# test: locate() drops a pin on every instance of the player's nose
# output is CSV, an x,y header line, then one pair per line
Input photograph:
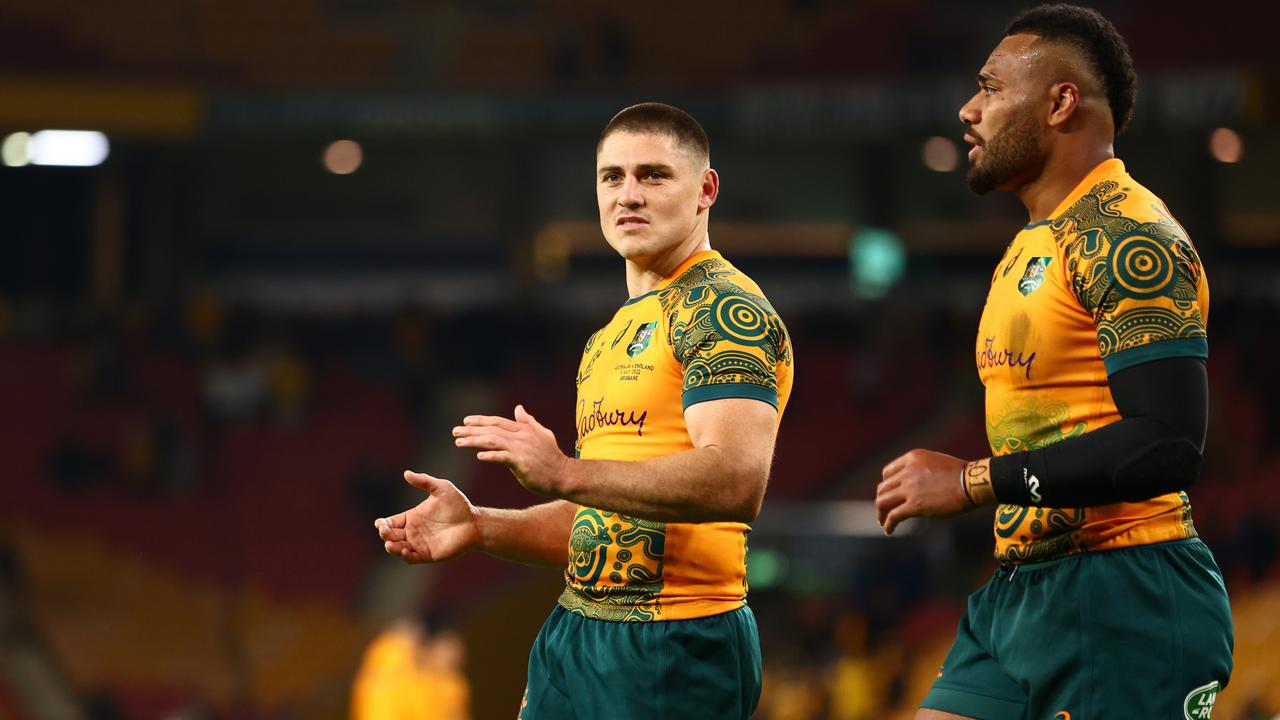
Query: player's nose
x,y
969,113
632,194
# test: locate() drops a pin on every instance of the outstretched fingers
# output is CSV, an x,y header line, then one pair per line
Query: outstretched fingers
x,y
390,532
495,456
523,416
405,552
492,421
478,430
423,481
390,522
486,441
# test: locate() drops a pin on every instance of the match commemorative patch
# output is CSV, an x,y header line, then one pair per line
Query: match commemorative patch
x,y
1199,702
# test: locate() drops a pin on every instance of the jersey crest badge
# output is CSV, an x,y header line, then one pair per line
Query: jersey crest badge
x,y
640,342
1034,275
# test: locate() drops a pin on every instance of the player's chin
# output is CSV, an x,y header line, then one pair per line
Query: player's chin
x,y
979,181
632,247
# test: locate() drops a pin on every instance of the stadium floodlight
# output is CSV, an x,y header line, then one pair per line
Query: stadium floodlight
x,y
343,157
877,260
940,154
69,148
1226,145
16,149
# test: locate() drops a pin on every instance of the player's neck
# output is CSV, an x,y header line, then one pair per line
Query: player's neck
x,y
645,274
1062,172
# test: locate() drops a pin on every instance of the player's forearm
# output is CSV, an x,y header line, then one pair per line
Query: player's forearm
x,y
537,535
706,484
1131,460
1153,450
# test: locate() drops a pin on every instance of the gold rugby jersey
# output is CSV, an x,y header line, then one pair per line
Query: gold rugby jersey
x,y
705,333
1109,281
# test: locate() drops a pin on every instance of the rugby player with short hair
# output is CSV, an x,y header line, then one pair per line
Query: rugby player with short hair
x,y
679,399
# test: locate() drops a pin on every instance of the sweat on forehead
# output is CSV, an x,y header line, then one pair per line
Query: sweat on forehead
x,y
1044,59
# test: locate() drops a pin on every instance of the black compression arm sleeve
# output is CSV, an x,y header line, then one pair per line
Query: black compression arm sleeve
x,y
1154,449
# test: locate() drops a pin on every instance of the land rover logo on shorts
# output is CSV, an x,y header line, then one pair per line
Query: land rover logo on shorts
x,y
643,335
1199,702
1034,275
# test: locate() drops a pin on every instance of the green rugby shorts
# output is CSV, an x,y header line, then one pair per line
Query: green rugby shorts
x,y
700,668
1137,632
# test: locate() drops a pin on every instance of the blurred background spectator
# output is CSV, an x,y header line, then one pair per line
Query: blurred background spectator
x,y
409,673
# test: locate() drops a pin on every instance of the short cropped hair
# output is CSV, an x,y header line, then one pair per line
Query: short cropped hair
x,y
661,119
1092,34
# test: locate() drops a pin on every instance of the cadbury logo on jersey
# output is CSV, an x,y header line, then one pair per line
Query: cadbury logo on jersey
x,y
598,416
990,356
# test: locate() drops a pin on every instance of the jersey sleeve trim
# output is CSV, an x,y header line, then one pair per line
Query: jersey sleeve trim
x,y
1195,347
722,391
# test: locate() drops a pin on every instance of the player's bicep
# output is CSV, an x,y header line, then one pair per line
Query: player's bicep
x,y
1173,392
729,344
744,429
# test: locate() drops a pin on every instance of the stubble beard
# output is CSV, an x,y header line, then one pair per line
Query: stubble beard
x,y
1014,152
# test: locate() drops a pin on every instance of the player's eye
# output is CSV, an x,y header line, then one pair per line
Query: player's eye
x,y
612,178
654,176
987,89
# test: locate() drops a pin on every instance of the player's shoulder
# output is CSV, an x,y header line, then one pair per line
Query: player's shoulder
x,y
712,308
711,282
1113,209
1118,239
1140,204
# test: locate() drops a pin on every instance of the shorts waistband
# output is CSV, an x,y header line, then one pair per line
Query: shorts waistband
x,y
1008,568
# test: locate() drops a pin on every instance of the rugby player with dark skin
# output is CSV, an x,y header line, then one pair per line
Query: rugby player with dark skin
x,y
1039,123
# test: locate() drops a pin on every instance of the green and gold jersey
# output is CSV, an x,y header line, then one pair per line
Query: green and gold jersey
x,y
705,333
1109,281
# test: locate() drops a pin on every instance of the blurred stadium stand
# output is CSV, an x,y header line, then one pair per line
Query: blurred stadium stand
x,y
216,356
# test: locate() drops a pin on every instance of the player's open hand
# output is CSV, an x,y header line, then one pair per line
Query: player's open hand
x,y
921,483
438,528
528,449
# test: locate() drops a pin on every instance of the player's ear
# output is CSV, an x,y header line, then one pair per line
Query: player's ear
x,y
1065,98
710,189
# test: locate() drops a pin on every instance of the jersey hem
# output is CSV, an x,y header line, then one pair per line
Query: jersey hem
x,y
691,610
973,704
1111,544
